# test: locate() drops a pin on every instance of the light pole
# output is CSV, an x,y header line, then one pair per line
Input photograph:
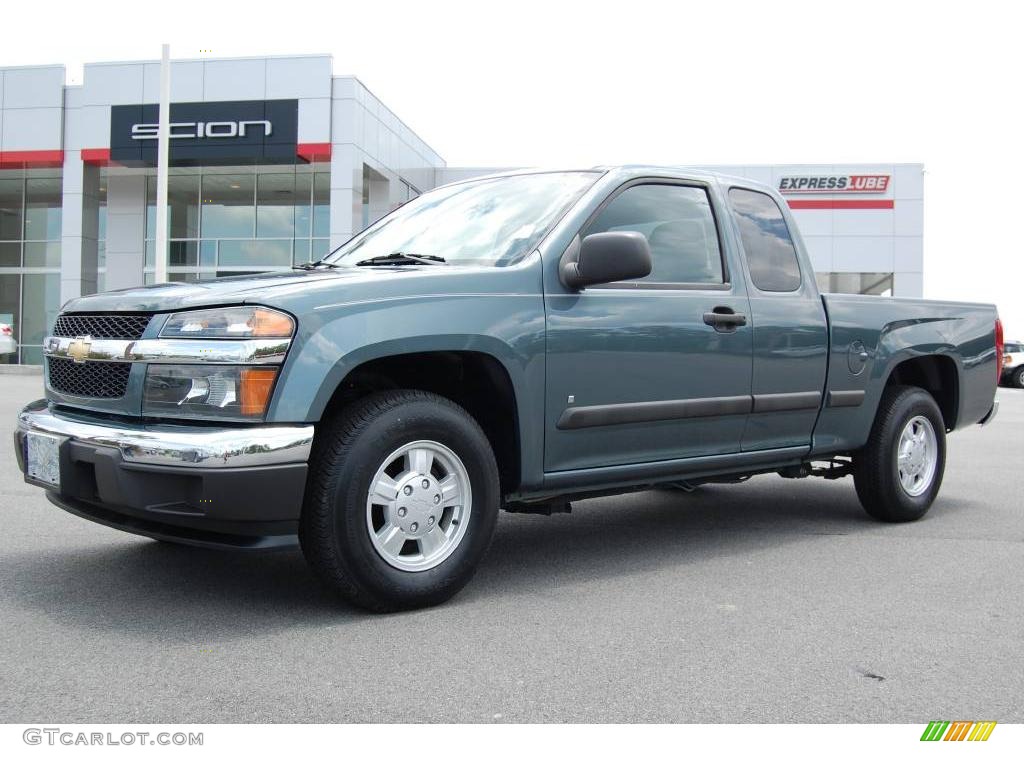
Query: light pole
x,y
163,149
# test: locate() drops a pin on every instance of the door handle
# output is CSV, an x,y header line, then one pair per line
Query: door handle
x,y
724,320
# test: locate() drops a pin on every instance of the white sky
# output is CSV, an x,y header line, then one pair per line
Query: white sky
x,y
553,84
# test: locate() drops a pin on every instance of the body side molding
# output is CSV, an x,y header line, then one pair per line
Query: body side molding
x,y
787,401
580,417
845,398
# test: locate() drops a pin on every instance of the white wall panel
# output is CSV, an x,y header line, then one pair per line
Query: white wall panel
x,y
908,182
299,77
909,254
820,251
126,230
186,82
344,87
814,222
908,284
113,84
347,122
342,205
909,218
862,222
32,128
314,120
234,80
371,135
28,87
862,254
86,128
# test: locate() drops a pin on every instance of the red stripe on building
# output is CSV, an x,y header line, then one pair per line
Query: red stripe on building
x,y
840,204
97,156
313,152
32,158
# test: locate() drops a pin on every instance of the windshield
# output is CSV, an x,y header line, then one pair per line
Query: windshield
x,y
491,222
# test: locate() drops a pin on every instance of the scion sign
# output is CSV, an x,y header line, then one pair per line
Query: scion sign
x,y
207,133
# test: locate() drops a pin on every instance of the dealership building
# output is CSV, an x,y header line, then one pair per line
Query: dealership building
x,y
276,160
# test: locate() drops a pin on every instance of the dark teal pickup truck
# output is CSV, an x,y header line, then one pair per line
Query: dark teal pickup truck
x,y
512,342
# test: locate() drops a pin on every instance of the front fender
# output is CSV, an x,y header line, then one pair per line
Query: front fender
x,y
508,327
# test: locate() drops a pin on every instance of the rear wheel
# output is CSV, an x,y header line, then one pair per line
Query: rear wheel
x,y
899,471
402,501
1018,378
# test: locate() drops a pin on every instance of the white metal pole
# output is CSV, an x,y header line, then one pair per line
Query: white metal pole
x,y
163,149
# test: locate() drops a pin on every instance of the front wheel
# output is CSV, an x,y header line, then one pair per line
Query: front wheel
x,y
402,501
898,473
1018,378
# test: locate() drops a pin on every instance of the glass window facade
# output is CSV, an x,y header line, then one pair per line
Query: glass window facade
x,y
866,283
30,231
240,220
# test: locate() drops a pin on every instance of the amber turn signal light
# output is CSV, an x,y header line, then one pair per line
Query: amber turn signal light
x,y
256,386
266,322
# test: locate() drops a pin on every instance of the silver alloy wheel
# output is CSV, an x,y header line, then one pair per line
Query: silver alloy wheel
x,y
917,456
1020,377
418,506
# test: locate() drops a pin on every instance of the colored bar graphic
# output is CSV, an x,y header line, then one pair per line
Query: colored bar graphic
x,y
934,730
982,731
958,730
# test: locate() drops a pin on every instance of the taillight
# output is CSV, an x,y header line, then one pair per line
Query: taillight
x,y
6,330
999,349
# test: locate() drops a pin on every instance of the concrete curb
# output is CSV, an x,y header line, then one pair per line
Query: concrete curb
x,y
21,370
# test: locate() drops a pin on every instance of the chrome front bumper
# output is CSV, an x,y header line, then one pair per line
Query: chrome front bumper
x,y
204,447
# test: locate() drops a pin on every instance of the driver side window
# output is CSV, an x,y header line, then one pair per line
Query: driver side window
x,y
679,226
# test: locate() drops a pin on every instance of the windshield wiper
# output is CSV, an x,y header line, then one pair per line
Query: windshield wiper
x,y
310,265
400,257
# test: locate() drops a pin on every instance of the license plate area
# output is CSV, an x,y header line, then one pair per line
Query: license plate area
x,y
42,458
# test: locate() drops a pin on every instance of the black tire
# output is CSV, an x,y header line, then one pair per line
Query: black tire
x,y
348,451
875,473
1018,378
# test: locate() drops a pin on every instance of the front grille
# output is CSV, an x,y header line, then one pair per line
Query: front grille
x,y
128,327
91,379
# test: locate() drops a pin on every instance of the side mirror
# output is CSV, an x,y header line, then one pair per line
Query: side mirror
x,y
605,257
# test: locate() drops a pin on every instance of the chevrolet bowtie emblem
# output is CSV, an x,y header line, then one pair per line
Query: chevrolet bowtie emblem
x,y
78,350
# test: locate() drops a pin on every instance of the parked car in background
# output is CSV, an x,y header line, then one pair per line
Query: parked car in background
x,y
513,342
1013,365
8,346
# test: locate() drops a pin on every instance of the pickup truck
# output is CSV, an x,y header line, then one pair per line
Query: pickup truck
x,y
1013,365
513,342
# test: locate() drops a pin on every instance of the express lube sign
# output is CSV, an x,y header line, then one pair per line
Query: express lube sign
x,y
873,184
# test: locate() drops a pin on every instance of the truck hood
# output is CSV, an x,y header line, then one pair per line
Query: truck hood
x,y
285,289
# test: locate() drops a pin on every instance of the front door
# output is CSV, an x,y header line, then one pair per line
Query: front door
x,y
653,369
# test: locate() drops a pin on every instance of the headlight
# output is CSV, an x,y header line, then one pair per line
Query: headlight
x,y
229,323
208,391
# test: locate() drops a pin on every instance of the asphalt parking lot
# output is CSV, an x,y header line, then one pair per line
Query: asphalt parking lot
x,y
771,601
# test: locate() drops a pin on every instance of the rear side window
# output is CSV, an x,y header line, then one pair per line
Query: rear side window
x,y
679,226
1012,349
771,255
